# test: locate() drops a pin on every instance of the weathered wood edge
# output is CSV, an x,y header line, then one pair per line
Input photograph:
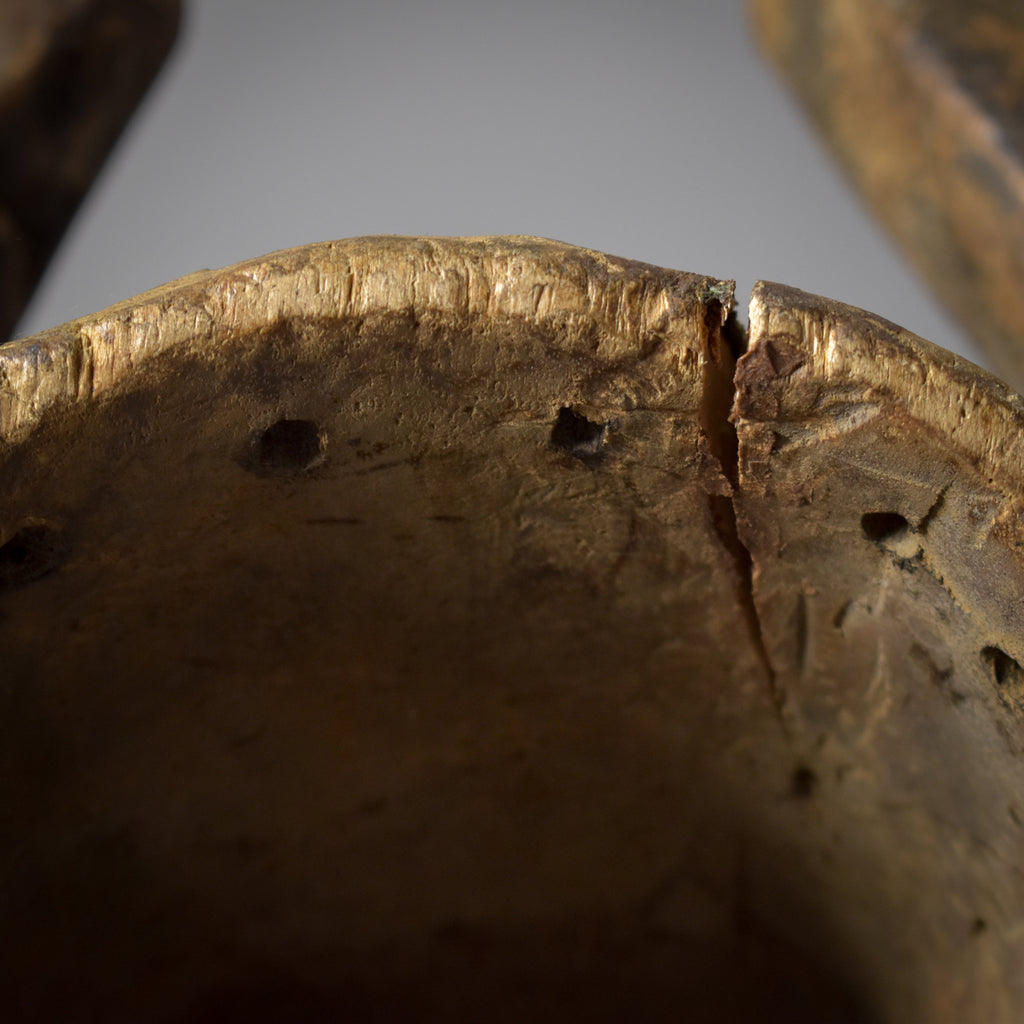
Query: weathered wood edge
x,y
843,345
636,307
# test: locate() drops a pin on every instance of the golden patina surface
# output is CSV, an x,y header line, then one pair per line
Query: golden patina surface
x,y
488,629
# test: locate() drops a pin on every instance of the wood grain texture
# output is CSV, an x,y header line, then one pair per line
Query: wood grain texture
x,y
922,103
880,497
448,629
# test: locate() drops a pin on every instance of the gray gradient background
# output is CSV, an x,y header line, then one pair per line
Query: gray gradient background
x,y
649,129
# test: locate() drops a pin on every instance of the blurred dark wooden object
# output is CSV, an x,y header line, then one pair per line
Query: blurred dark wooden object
x,y
71,74
922,101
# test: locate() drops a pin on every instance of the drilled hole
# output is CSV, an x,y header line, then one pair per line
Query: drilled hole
x,y
1005,670
32,552
576,435
804,782
1007,675
290,446
883,526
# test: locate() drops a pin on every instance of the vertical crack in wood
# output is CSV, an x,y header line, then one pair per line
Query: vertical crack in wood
x,y
726,342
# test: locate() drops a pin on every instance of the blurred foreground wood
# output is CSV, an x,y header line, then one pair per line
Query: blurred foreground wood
x,y
923,105
71,74
455,630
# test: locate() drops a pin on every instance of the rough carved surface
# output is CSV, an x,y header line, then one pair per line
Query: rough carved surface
x,y
437,629
922,101
71,73
880,496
